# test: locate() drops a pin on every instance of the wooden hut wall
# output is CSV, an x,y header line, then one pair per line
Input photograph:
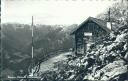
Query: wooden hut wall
x,y
89,26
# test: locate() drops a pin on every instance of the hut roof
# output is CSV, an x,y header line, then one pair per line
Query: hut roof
x,y
99,22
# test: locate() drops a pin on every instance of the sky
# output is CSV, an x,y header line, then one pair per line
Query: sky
x,y
52,12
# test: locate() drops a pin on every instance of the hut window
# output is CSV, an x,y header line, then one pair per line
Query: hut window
x,y
87,34
88,37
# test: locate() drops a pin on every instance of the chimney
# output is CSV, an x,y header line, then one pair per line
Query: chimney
x,y
109,24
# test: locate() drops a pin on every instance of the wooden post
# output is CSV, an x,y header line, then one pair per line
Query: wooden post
x,y
127,18
109,15
84,45
109,18
32,60
75,44
32,37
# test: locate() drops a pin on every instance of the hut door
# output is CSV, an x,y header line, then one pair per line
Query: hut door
x,y
87,40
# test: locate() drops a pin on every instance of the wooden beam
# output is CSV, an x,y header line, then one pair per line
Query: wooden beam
x,y
75,44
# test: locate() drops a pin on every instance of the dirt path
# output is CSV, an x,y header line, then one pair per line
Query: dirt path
x,y
49,64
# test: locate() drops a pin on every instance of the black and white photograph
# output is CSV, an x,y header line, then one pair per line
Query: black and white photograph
x,y
64,40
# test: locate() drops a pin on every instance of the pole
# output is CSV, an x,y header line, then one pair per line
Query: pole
x,y
1,50
32,48
109,18
109,15
32,55
32,37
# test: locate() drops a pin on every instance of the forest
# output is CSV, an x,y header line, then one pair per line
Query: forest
x,y
49,40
